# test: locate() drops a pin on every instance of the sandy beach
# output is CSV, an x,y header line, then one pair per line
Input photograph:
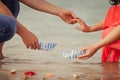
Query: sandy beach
x,y
49,28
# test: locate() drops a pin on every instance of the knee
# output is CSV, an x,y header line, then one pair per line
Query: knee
x,y
8,26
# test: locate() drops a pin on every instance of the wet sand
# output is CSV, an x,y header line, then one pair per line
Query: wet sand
x,y
63,71
49,28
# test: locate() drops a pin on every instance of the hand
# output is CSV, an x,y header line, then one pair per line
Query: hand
x,y
30,40
83,26
90,51
67,16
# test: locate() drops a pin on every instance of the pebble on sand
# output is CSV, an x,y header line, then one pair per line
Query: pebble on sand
x,y
76,75
13,72
49,75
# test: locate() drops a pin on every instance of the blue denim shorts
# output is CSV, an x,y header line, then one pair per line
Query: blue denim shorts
x,y
8,26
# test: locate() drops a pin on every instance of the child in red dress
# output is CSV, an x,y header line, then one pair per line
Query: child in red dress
x,y
110,36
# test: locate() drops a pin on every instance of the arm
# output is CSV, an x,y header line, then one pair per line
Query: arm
x,y
44,6
28,38
85,28
111,37
98,26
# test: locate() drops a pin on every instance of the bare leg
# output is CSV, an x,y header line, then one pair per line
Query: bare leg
x,y
1,54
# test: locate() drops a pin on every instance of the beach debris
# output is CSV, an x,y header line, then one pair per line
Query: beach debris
x,y
73,54
29,73
12,72
25,77
62,78
49,75
47,46
45,78
75,76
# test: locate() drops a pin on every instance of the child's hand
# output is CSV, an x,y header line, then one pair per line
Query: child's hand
x,y
83,26
90,51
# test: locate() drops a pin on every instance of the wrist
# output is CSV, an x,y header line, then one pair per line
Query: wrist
x,y
60,12
21,30
99,45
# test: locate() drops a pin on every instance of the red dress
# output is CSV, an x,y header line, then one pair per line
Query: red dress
x,y
111,52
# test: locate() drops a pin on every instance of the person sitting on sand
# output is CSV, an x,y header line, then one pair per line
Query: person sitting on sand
x,y
9,25
110,35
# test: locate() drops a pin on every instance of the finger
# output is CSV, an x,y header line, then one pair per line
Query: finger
x,y
27,45
78,20
74,16
84,49
83,57
73,22
34,47
31,46
69,22
37,46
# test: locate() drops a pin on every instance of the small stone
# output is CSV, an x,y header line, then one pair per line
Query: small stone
x,y
45,78
76,75
49,75
24,77
13,72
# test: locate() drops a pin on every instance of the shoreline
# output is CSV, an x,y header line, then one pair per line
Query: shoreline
x,y
93,71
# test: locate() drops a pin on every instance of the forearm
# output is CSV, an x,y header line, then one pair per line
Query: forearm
x,y
98,26
21,30
111,37
42,5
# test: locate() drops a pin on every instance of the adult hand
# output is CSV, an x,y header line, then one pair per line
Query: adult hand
x,y
67,16
30,40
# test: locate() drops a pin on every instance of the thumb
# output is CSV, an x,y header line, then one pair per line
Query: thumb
x,y
84,49
74,16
